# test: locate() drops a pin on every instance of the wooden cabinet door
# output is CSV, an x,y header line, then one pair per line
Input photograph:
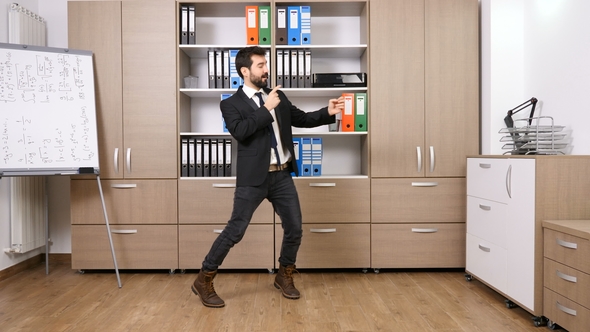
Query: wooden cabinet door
x,y
397,88
452,85
96,26
149,86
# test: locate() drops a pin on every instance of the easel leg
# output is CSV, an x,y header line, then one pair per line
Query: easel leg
x,y
106,218
46,228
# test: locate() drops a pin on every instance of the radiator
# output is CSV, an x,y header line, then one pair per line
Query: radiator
x,y
28,210
27,194
26,27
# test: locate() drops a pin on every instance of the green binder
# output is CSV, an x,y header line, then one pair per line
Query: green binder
x,y
360,111
264,25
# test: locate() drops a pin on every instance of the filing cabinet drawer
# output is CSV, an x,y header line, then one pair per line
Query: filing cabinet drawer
x,y
334,200
567,249
136,247
417,245
203,201
567,313
331,246
254,251
127,202
487,262
569,282
487,220
488,178
418,200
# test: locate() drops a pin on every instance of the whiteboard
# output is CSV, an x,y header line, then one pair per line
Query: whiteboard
x,y
47,111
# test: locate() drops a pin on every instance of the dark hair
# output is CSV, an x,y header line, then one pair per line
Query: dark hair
x,y
244,57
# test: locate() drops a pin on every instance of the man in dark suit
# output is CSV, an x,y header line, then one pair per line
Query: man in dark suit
x,y
260,119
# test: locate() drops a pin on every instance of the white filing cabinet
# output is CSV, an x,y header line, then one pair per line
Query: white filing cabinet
x,y
507,199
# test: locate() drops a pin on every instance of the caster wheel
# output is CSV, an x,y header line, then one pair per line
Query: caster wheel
x,y
364,270
468,277
540,321
271,271
510,304
172,271
182,271
376,271
81,271
551,325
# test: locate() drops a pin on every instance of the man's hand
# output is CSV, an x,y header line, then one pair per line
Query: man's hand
x,y
272,100
336,106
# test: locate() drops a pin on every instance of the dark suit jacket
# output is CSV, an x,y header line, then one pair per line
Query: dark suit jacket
x,y
248,124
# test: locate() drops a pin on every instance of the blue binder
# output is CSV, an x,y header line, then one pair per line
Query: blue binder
x,y
305,25
316,156
294,25
297,146
233,73
306,156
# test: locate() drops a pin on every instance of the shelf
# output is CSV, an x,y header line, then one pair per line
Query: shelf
x,y
236,9
295,134
295,92
321,51
323,177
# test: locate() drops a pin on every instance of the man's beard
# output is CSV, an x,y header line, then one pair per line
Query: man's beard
x,y
259,82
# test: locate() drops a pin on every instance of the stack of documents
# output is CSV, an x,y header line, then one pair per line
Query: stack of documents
x,y
187,25
354,116
258,25
294,68
308,155
206,157
293,25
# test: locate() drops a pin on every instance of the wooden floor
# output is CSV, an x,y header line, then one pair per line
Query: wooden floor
x,y
65,300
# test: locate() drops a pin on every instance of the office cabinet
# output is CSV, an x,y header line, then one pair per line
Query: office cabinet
x,y
507,199
425,121
136,112
566,299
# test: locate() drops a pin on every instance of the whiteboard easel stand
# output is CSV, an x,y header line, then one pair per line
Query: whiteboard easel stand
x,y
106,219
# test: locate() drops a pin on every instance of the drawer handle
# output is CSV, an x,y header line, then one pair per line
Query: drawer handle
x,y
322,184
482,165
124,185
565,309
485,207
424,184
566,244
424,230
566,277
322,230
224,185
124,231
486,249
217,231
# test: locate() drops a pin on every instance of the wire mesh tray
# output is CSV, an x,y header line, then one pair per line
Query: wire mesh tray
x,y
533,137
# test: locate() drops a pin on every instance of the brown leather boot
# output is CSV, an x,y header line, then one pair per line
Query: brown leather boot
x,y
203,287
284,282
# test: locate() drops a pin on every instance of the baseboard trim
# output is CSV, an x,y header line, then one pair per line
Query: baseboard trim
x,y
34,261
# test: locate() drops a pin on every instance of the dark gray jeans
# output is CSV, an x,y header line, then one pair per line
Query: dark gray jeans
x,y
280,190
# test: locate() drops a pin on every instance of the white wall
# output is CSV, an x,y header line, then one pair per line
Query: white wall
x,y
536,48
530,48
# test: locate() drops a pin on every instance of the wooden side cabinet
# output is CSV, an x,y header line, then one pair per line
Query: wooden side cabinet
x,y
566,294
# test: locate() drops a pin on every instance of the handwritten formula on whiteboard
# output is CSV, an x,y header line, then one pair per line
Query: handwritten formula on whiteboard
x,y
47,117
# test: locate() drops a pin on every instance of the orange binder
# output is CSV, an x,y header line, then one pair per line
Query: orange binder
x,y
348,113
252,25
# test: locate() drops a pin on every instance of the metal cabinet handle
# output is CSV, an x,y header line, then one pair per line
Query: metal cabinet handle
x,y
128,160
424,230
509,181
419,154
485,207
124,185
486,249
565,309
224,185
482,165
124,231
424,184
566,277
322,184
431,159
322,230
116,160
570,245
